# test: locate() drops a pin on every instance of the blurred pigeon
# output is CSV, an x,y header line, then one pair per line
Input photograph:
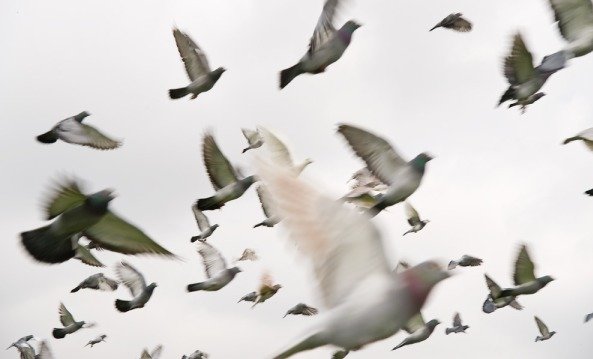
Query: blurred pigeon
x,y
197,68
414,219
401,267
586,136
465,261
264,198
248,255
382,160
588,317
223,177
83,252
455,22
349,263
301,309
418,330
544,331
26,352
326,46
70,325
134,280
44,352
279,153
524,277
267,289
249,297
196,355
72,130
216,270
589,192
24,341
97,281
457,326
203,224
77,213
155,354
254,139
97,340
494,301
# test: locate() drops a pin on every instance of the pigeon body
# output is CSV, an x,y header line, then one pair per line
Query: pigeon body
x,y
97,340
494,300
216,270
70,325
454,22
302,309
586,136
465,261
458,327
418,330
97,281
267,289
22,342
254,139
203,224
414,219
196,355
544,331
249,297
155,354
524,277
135,282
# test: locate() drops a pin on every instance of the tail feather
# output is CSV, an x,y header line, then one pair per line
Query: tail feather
x,y
123,305
75,289
210,203
58,333
246,149
43,246
435,27
449,331
570,139
287,75
508,95
311,342
259,225
195,287
589,192
178,93
196,238
48,137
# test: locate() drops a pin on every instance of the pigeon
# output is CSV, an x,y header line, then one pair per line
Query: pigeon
x,y
457,326
403,178
326,46
544,331
589,192
349,262
575,22
301,309
26,352
418,330
588,317
196,355
216,270
254,139
455,22
586,136
524,277
72,130
267,289
223,176
24,341
44,351
203,224
247,255
76,212
249,297
155,354
279,153
197,68
97,281
525,80
97,340
70,325
465,261
135,282
264,198
494,301
414,219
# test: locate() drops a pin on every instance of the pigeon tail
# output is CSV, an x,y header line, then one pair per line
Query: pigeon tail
x,y
59,333
246,149
570,139
76,289
311,342
449,331
197,238
195,287
123,305
48,137
589,192
287,75
508,95
435,27
400,345
178,93
210,203
45,248
260,224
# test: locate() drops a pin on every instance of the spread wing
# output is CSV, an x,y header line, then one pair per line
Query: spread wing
x,y
492,287
411,213
27,352
44,352
310,311
201,218
131,278
518,65
266,284
219,169
252,137
415,323
457,320
277,149
264,199
524,268
461,25
324,29
107,284
213,261
96,139
471,261
543,329
194,59
64,197
66,317
156,353
380,157
574,17
145,355
86,257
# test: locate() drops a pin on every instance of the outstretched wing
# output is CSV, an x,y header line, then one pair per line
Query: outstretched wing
x,y
415,323
44,352
96,139
201,219
219,169
66,317
524,268
277,149
194,59
574,17
65,196
492,287
457,320
543,329
131,278
213,261
518,65
325,27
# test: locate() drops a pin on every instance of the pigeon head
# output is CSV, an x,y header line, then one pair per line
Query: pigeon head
x,y
234,271
100,200
81,116
217,73
433,323
151,287
545,280
419,162
351,26
346,31
214,226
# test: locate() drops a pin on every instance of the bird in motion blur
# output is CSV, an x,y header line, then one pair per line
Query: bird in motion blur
x,y
70,325
97,281
543,330
455,22
264,198
588,317
206,229
458,327
217,273
279,154
414,219
365,188
419,330
465,261
197,68
22,342
249,297
72,130
135,282
267,289
198,354
586,136
97,340
28,352
326,46
494,300
524,277
247,255
154,354
402,177
253,138
302,309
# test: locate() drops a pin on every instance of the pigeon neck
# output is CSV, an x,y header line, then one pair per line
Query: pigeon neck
x,y
415,287
345,36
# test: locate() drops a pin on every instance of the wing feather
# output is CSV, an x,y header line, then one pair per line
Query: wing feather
x,y
219,169
524,268
213,261
131,278
66,317
194,59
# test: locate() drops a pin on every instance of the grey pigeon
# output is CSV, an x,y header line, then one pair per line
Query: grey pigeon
x,y
70,325
72,130
155,354
75,213
97,281
266,290
254,139
22,342
414,219
326,46
97,340
223,176
264,198
494,300
197,68
216,270
403,178
418,330
586,136
248,255
249,297
465,261
134,280
589,192
457,326
524,277
302,309
203,224
544,331
588,317
455,22
196,355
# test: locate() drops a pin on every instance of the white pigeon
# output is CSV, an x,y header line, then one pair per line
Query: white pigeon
x,y
402,177
135,282
216,270
155,354
279,153
543,330
271,217
586,136
254,139
197,68
465,261
203,224
419,330
349,262
414,219
97,340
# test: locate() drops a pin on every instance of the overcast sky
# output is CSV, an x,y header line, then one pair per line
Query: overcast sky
x,y
499,179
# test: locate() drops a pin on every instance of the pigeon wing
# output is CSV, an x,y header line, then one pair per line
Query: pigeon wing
x,y
277,149
96,139
156,353
308,311
492,287
201,219
264,199
213,261
471,261
574,17
44,352
131,278
324,29
415,323
64,197
457,320
86,257
518,66
461,25
524,268
107,284
145,355
411,214
252,137
26,352
66,317
194,59
543,329
219,169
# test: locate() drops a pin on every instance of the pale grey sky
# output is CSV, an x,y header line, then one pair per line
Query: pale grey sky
x,y
499,179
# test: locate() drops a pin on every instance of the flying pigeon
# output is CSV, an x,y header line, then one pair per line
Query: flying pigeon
x,y
72,130
254,139
403,178
525,80
97,281
455,22
24,341
76,212
44,352
135,282
155,354
249,297
26,352
70,325
457,326
279,153
216,270
349,262
524,277
418,330
588,317
586,136
301,309
223,176
544,331
266,290
196,355
203,224
414,219
264,198
326,46
465,261
97,340
197,68
494,300
248,255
